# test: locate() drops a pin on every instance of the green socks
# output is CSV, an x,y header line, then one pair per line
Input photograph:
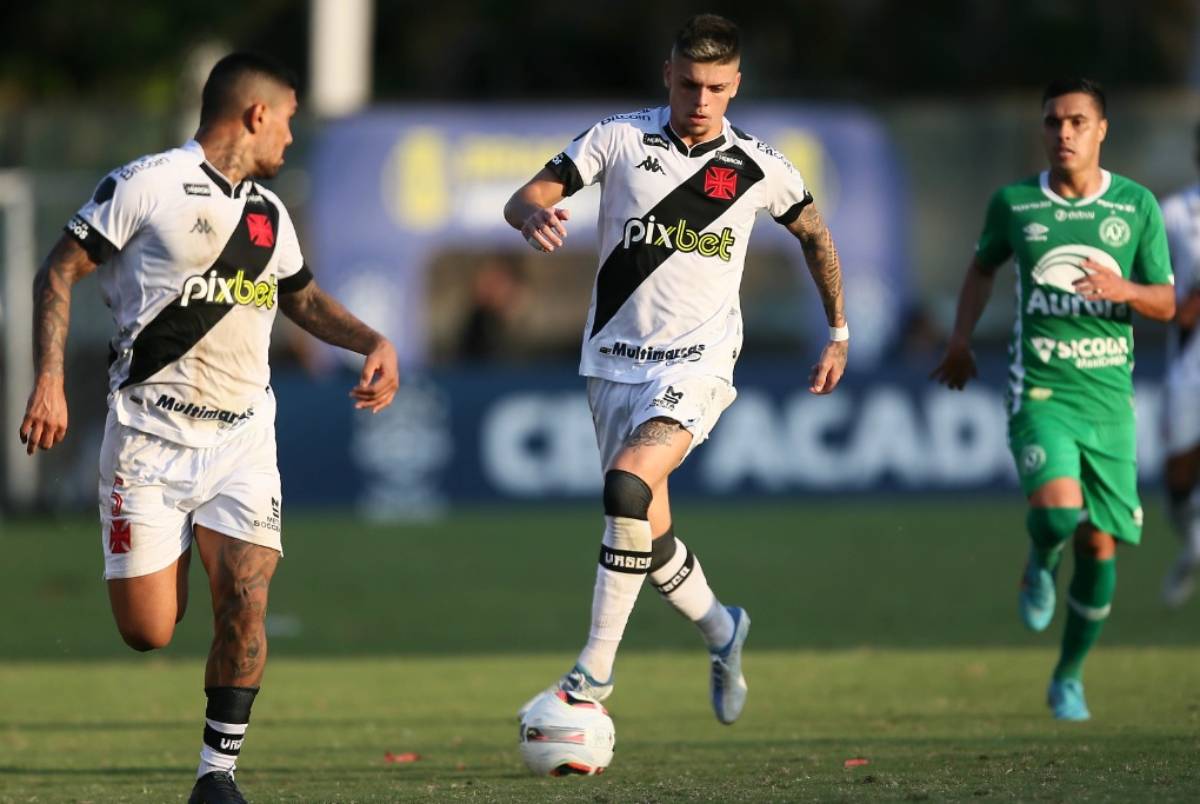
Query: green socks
x,y
1088,603
1050,528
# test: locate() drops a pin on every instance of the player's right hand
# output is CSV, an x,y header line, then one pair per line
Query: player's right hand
x,y
45,422
545,229
957,367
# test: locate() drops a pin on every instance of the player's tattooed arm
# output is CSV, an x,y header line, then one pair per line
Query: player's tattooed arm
x,y
45,421
822,258
325,318
821,255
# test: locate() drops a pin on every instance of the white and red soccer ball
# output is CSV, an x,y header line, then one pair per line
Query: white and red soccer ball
x,y
565,733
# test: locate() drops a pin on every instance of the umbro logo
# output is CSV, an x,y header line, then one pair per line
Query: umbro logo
x,y
201,227
651,165
1035,231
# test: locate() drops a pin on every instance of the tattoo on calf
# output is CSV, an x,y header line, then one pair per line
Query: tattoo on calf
x,y
239,644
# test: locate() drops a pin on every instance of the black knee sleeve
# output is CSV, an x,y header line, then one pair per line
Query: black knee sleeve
x,y
662,550
626,494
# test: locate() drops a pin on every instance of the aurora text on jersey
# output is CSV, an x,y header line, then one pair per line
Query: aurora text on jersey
x,y
1065,348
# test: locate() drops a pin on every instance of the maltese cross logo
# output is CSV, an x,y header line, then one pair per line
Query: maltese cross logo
x,y
261,233
720,183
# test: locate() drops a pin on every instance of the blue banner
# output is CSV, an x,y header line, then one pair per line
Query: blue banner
x,y
526,434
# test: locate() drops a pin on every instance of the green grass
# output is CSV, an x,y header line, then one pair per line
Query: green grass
x,y
885,631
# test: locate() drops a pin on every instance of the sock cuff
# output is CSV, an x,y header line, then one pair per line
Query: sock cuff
x,y
682,574
229,704
663,549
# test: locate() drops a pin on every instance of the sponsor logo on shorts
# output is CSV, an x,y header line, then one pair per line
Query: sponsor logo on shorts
x,y
1032,458
653,354
669,399
1138,516
202,412
272,522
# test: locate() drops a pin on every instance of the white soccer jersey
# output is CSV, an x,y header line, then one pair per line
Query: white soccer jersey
x,y
1181,216
192,268
674,225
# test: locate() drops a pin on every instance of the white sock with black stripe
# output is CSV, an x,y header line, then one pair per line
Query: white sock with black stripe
x,y
225,720
679,578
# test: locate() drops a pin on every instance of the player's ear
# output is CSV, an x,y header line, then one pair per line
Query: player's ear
x,y
1103,128
737,82
254,117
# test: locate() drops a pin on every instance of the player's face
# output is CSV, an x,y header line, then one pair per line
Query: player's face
x,y
276,134
1072,130
699,93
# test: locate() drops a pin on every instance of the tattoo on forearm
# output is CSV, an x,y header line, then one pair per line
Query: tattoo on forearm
x,y
656,432
65,264
239,648
323,317
823,263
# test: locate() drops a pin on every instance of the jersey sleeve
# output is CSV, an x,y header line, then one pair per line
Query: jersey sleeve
x,y
117,210
787,194
993,246
293,273
1152,263
585,158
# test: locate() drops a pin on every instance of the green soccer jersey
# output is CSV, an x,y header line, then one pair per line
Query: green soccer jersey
x,y
1065,350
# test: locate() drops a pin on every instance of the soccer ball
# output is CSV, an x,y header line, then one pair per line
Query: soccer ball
x,y
565,733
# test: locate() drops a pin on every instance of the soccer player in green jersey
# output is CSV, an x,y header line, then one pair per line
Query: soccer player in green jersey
x,y
1089,250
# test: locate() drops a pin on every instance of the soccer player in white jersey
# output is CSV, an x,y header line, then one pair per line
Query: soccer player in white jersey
x,y
194,257
680,188
1181,216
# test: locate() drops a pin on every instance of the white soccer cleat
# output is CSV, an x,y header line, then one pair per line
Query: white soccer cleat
x,y
1180,582
727,684
578,681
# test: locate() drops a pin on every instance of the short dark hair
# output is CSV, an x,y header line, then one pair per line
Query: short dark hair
x,y
218,94
1065,86
708,38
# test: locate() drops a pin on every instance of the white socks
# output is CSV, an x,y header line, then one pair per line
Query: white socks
x,y
681,581
222,744
624,562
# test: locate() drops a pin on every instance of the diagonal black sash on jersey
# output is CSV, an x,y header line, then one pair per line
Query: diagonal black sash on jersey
x,y
626,268
176,329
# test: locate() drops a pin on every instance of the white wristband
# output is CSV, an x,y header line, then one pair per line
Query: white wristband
x,y
841,333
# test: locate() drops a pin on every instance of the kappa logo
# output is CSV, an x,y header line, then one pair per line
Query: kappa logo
x,y
197,189
657,140
261,233
201,227
720,183
651,165
1035,232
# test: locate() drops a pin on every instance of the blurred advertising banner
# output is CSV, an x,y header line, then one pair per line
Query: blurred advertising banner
x,y
526,434
398,187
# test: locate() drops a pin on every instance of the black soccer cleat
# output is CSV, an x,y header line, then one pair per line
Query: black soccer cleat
x,y
216,787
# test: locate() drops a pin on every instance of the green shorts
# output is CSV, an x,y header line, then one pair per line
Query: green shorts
x,y
1100,455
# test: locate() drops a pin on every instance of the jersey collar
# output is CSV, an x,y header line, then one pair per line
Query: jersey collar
x,y
217,178
700,148
1105,183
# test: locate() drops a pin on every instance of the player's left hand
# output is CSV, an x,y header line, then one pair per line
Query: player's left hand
x,y
379,379
1102,284
828,372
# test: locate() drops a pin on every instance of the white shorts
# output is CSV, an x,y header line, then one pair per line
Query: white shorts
x,y
1181,419
619,408
152,491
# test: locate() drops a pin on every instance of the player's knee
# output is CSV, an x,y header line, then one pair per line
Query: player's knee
x,y
626,495
1094,544
662,549
1050,526
144,637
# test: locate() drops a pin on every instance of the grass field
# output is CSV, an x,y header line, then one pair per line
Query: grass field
x,y
884,631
